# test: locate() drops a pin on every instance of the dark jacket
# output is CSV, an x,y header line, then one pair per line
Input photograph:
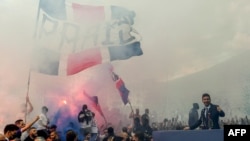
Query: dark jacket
x,y
214,115
193,116
87,116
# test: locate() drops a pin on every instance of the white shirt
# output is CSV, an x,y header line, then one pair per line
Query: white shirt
x,y
94,128
84,123
43,120
206,110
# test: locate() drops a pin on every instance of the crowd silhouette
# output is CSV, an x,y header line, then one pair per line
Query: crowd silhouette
x,y
135,126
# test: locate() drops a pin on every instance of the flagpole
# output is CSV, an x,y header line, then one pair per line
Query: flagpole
x,y
27,95
131,106
106,123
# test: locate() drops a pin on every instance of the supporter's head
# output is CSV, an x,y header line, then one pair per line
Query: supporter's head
x,y
84,107
71,136
138,136
111,131
53,135
32,132
87,136
124,129
45,109
52,128
20,123
137,111
10,130
124,136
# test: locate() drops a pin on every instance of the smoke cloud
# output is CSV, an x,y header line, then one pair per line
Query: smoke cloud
x,y
189,48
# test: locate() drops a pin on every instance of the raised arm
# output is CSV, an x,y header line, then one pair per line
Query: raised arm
x,y
220,111
27,126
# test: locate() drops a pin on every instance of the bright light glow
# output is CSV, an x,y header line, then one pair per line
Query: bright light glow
x,y
64,101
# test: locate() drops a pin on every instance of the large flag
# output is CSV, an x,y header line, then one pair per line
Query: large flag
x,y
120,85
76,22
81,12
47,61
96,34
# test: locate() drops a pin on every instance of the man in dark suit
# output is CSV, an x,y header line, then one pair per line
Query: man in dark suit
x,y
209,118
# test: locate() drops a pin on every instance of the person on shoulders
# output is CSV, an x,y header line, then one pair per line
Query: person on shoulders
x,y
42,128
85,118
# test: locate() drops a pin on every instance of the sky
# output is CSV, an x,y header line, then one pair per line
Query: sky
x,y
179,40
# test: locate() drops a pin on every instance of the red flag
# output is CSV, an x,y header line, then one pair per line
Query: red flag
x,y
120,85
94,103
90,57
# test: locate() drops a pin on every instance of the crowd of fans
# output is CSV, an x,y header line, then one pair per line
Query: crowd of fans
x,y
140,128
